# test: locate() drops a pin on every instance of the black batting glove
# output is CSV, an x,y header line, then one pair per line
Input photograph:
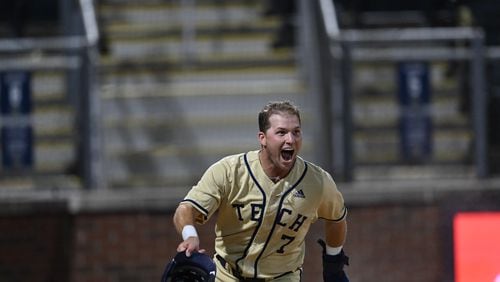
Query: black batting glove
x,y
333,266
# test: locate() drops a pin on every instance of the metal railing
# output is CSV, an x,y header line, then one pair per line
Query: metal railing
x,y
75,52
328,54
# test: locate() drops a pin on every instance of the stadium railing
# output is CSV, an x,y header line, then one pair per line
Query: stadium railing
x,y
328,54
75,53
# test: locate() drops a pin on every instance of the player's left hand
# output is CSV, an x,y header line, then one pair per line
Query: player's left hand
x,y
333,266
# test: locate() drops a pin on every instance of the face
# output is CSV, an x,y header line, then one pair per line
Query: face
x,y
281,142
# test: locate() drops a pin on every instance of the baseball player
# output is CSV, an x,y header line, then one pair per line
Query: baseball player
x,y
265,201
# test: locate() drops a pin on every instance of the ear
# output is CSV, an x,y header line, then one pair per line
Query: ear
x,y
262,138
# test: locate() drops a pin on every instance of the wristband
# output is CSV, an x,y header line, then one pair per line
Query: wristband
x,y
333,251
188,231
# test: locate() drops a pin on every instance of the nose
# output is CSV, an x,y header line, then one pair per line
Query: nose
x,y
289,138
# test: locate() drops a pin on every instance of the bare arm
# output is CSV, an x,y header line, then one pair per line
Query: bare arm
x,y
184,216
334,258
335,233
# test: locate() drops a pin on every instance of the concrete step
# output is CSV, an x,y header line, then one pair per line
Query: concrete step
x,y
196,106
200,46
171,165
170,162
54,156
150,136
383,146
282,86
137,29
171,141
173,14
188,111
183,132
33,181
156,66
54,120
385,111
130,30
48,86
275,70
381,79
413,172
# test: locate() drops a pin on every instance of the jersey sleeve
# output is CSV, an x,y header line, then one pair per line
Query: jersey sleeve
x,y
332,205
206,195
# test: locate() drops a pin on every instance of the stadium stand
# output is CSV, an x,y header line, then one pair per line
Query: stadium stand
x,y
52,109
181,85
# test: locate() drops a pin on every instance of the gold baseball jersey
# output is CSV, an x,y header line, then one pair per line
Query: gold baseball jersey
x,y
261,225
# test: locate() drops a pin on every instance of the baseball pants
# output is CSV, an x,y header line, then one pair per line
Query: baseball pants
x,y
225,274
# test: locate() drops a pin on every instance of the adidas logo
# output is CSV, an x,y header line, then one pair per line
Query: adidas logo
x,y
299,194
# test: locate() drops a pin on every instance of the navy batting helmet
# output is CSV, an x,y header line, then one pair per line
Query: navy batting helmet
x,y
196,268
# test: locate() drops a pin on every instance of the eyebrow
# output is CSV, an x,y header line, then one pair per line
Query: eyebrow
x,y
284,128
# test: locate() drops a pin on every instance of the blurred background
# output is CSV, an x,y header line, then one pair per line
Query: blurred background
x,y
112,109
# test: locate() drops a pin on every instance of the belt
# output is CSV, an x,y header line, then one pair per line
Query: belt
x,y
237,273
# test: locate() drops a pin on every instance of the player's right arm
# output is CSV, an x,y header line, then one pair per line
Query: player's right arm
x,y
184,219
199,204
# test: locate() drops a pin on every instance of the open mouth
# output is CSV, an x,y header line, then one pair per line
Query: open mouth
x,y
287,154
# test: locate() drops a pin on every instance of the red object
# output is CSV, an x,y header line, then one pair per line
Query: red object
x,y
476,238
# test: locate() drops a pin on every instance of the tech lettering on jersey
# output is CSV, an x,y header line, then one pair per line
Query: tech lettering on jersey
x,y
256,214
300,219
264,233
255,211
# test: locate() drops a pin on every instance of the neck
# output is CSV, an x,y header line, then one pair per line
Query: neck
x,y
270,169
274,178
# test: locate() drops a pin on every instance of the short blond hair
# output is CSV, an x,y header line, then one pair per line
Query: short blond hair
x,y
274,108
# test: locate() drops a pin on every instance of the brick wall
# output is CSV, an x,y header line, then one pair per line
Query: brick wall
x,y
391,242
34,246
121,247
396,243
